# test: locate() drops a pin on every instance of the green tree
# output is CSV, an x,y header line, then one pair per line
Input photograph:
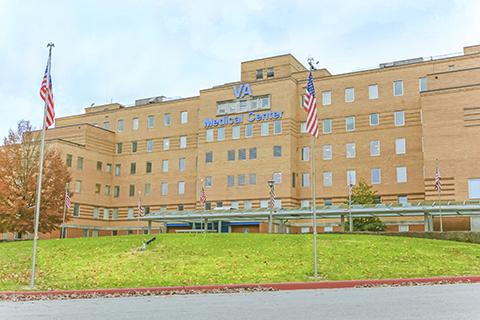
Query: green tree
x,y
363,193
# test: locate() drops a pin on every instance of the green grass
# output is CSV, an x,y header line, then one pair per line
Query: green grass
x,y
193,259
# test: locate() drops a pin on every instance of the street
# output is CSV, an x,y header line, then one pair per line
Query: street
x,y
458,302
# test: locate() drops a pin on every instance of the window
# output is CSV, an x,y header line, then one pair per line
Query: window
x,y
401,174
96,213
80,163
181,164
242,154
349,94
293,179
208,181
351,150
252,178
221,134
151,121
374,148
277,151
277,126
106,125
209,157
116,191
277,177
76,210
135,124
403,200
376,176
305,153
166,144
148,167
399,117
106,190
242,180
108,168
351,177
303,127
133,168
249,130
326,98
231,155
106,214
252,153
180,207
373,91
134,146
69,160
183,117
398,88
327,152
98,187
118,148
120,125
236,132
350,123
474,188
327,178
374,119
230,181
305,179
131,190
270,72
131,213
219,204
265,129
422,84
247,204
305,204
181,187
164,165
400,146
147,189
118,169
264,203
167,120
259,74
209,135
78,186
164,188
183,142
327,126
149,145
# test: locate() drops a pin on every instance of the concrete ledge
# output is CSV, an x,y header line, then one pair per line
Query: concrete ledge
x,y
462,236
7,295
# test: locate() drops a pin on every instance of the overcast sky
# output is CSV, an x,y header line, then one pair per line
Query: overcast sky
x,y
125,50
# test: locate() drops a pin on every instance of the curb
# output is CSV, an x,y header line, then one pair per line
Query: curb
x,y
232,287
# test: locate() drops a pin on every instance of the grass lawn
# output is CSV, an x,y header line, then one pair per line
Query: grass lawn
x,y
191,259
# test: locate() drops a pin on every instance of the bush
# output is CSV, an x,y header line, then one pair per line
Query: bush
x,y
366,224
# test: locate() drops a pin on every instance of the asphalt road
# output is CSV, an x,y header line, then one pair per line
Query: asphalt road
x,y
422,302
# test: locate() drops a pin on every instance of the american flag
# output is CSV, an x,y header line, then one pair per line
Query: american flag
x,y
46,94
203,196
272,197
438,180
310,106
140,208
68,201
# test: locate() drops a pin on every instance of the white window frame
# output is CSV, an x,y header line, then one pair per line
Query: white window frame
x,y
135,123
396,116
165,165
236,132
247,126
373,91
346,123
183,142
221,134
305,156
370,119
326,98
422,80
209,135
379,176
184,117
149,145
473,185
401,88
375,148
347,90
181,187
120,125
400,146
327,152
151,121
350,150
330,124
164,189
305,179
401,170
327,179
351,177
166,144
265,129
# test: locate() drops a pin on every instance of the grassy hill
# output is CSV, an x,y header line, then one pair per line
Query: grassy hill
x,y
189,259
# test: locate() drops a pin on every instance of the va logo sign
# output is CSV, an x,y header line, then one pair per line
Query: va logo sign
x,y
242,90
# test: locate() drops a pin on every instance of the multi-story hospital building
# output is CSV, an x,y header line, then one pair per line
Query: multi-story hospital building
x,y
391,126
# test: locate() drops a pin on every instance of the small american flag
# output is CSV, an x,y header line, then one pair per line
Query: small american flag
x,y
203,196
272,197
46,94
140,208
68,201
310,106
438,180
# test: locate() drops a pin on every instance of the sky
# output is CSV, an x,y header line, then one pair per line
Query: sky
x,y
124,50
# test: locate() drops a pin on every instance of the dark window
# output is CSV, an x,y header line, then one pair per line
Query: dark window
x,y
114,232
133,168
69,160
209,157
80,163
131,190
293,180
270,72
259,74
242,154
119,148
180,207
116,191
252,153
99,165
219,204
277,151
148,167
76,210
231,155
134,146
327,202
208,206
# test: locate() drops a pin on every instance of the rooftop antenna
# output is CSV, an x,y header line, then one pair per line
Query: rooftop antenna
x,y
312,63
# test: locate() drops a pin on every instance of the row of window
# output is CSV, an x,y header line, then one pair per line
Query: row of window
x,y
150,122
264,131
147,190
374,120
149,145
373,92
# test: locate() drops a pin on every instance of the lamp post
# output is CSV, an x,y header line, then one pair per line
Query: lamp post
x,y
271,185
350,220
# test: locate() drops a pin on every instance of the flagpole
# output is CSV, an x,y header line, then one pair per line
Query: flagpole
x,y
40,172
314,211
64,210
439,190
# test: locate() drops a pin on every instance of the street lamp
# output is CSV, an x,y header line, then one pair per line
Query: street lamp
x,y
271,184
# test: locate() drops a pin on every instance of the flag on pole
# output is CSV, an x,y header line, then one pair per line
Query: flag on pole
x,y
46,93
272,196
140,208
310,106
438,180
68,201
203,196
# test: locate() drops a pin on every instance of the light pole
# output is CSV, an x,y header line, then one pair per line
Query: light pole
x,y
271,185
350,220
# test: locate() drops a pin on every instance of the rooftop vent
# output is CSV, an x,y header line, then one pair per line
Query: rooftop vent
x,y
400,62
151,100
